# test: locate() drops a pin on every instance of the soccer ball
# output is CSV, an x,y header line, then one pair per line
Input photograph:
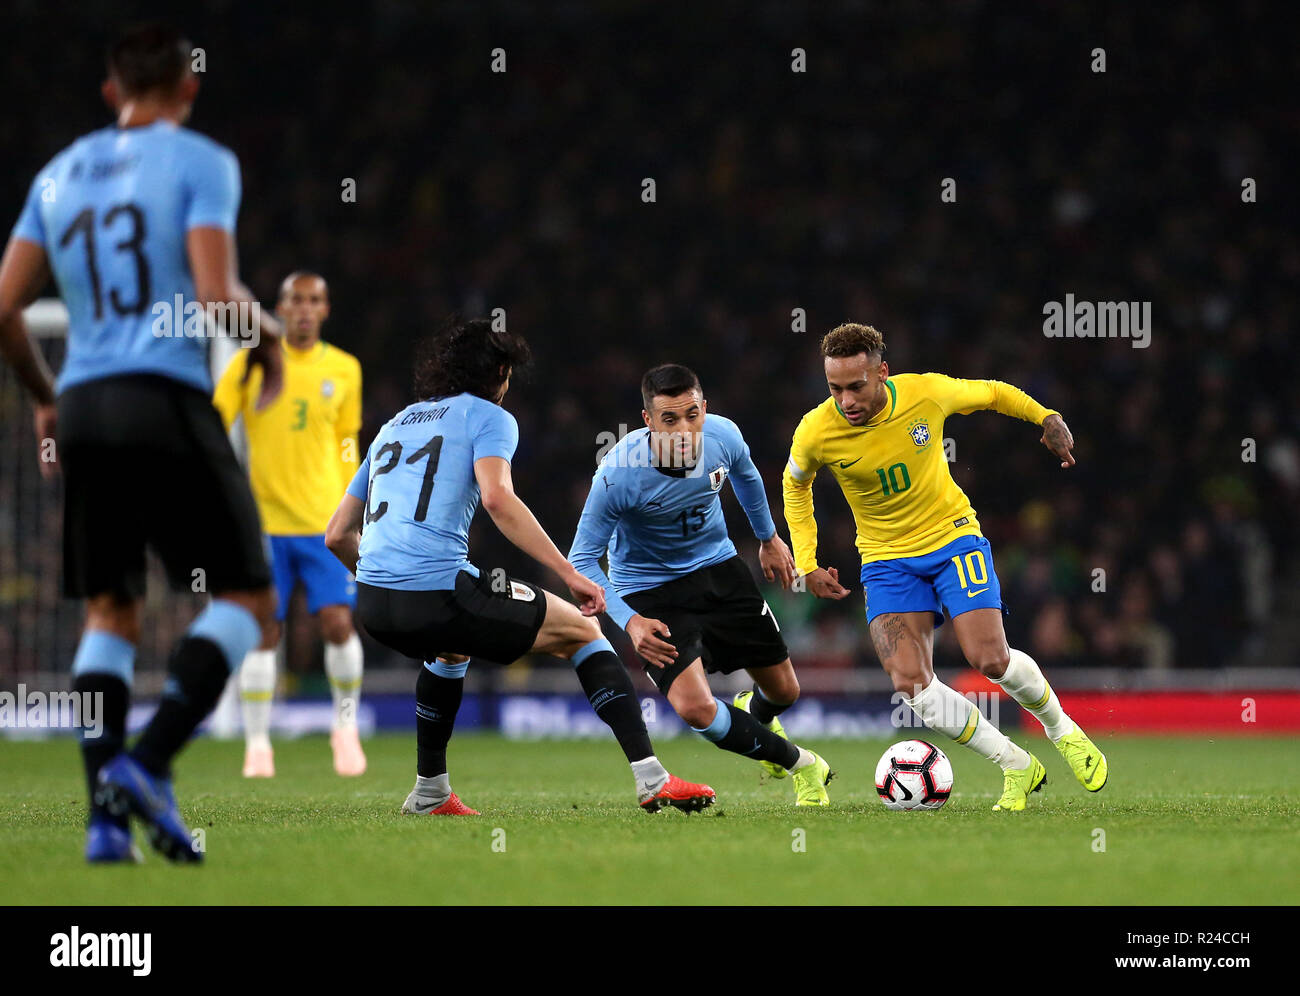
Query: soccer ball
x,y
913,774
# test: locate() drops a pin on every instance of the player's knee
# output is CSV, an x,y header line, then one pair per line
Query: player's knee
x,y
116,614
585,629
786,691
270,635
336,624
991,659
260,602
696,711
908,681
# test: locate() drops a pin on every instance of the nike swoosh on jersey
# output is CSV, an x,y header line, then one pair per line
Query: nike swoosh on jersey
x,y
972,594
850,463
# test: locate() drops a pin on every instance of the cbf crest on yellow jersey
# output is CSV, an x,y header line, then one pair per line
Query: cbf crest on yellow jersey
x,y
893,470
303,446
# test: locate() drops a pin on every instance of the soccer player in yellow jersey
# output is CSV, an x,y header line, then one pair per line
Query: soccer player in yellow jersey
x,y
921,546
302,454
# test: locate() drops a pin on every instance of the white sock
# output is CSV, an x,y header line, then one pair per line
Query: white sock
x,y
434,788
1025,683
225,724
806,757
256,690
343,666
650,777
946,712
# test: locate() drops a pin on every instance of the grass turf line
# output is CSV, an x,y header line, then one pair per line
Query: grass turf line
x,y
1186,821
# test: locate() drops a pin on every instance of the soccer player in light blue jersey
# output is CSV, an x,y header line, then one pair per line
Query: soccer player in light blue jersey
x,y
402,528
685,597
136,224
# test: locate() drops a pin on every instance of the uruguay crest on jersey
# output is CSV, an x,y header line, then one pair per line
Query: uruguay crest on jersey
x,y
716,478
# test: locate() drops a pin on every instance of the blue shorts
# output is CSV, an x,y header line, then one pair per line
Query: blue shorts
x,y
306,559
958,577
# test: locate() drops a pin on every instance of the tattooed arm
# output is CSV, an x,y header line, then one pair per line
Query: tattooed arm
x,y
1057,438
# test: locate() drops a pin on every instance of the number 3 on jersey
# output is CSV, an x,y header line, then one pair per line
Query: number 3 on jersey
x,y
432,450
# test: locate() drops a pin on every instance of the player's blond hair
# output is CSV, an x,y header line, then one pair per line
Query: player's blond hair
x,y
850,339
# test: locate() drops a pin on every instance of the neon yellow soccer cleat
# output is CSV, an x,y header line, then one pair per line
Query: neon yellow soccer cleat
x,y
810,783
1018,783
773,769
1087,762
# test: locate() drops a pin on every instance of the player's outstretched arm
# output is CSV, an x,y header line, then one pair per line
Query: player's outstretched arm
x,y
796,491
1057,438
23,272
213,262
961,397
773,555
796,494
518,524
596,525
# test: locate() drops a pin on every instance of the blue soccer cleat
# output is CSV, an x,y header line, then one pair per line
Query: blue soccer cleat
x,y
108,843
125,787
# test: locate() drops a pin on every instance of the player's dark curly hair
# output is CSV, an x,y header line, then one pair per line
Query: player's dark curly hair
x,y
468,358
149,57
850,339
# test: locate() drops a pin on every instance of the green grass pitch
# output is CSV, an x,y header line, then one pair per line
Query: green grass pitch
x,y
1185,821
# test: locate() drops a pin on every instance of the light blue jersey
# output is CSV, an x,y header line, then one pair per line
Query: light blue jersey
x,y
418,483
661,524
112,211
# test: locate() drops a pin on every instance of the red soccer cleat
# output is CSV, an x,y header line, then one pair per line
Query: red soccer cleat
x,y
454,807
685,796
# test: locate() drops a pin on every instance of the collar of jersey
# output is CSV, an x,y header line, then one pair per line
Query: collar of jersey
x,y
672,471
893,402
295,355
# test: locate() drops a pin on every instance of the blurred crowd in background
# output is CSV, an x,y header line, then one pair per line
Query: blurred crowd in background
x,y
782,195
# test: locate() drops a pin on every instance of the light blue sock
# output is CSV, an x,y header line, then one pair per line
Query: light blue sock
x,y
231,627
444,670
594,647
101,652
720,726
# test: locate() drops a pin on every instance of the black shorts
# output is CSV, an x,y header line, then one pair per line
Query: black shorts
x,y
147,462
715,614
471,619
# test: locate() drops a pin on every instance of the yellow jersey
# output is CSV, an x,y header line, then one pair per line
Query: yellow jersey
x,y
302,448
893,470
